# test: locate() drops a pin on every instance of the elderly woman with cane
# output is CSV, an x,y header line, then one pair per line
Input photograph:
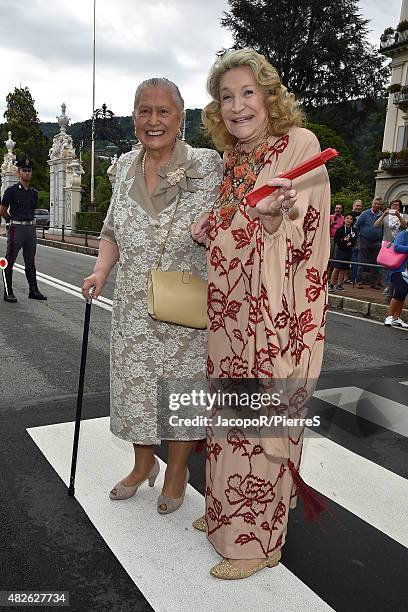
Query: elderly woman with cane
x,y
267,300
159,191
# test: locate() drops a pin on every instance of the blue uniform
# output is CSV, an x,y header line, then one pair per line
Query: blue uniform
x,y
21,204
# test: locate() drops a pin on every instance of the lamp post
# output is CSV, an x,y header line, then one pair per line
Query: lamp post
x,y
103,114
93,113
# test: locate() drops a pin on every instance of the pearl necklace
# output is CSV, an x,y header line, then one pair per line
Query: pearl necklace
x,y
144,163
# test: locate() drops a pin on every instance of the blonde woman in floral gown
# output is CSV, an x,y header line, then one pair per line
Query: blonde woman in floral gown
x,y
267,302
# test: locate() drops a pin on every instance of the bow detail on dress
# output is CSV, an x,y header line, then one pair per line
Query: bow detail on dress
x,y
177,177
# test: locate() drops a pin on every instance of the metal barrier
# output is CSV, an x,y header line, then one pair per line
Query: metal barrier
x,y
357,263
74,232
359,280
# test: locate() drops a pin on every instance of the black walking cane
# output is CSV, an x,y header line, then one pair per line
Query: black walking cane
x,y
71,488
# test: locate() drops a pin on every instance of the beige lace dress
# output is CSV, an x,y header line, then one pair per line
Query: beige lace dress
x,y
145,352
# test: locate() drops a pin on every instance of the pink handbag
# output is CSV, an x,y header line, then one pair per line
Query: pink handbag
x,y
388,257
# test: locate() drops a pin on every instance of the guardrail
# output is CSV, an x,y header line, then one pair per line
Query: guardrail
x,y
73,232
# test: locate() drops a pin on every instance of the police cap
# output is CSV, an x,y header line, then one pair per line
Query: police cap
x,y
25,164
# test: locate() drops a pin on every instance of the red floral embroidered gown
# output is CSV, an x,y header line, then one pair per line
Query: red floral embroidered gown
x,y
267,309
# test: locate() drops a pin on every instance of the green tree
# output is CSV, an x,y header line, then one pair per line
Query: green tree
x,y
103,190
22,120
201,140
361,125
320,47
342,170
354,191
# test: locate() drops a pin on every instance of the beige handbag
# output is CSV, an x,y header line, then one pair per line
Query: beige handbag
x,y
175,296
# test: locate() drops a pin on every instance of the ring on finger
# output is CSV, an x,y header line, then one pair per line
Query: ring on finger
x,y
284,209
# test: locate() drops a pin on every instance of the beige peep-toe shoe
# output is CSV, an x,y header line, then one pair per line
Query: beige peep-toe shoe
x,y
172,504
226,571
121,491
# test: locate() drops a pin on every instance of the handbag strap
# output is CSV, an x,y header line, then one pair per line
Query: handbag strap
x,y
168,233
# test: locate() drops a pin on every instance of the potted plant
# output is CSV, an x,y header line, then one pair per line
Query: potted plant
x,y
403,154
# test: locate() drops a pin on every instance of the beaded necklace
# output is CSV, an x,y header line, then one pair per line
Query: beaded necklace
x,y
240,173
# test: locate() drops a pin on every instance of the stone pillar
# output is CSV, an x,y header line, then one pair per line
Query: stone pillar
x,y
391,119
404,10
9,171
73,191
61,157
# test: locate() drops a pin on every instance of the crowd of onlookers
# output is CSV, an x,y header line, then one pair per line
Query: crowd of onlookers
x,y
356,238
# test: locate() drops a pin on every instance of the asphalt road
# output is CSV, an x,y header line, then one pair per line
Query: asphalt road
x,y
40,342
353,565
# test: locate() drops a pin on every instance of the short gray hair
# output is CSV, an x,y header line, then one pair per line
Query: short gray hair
x,y
165,84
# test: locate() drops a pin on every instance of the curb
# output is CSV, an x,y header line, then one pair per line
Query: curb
x,y
367,310
68,246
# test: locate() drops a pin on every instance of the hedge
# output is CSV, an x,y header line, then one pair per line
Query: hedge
x,y
91,221
44,199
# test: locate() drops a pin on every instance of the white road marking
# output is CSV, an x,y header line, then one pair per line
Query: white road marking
x,y
370,406
342,314
102,302
375,494
165,556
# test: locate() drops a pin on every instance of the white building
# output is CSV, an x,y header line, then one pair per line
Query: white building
x,y
392,174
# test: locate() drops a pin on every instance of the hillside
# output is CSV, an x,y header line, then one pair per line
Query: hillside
x,y
359,123
124,130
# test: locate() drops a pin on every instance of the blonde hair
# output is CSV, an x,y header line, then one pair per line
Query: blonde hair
x,y
283,110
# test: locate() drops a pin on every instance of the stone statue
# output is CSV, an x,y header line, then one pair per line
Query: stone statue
x,y
111,171
8,164
62,144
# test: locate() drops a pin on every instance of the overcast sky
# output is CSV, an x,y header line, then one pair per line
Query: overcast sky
x,y
46,45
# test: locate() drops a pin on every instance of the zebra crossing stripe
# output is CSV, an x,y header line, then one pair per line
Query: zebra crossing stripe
x,y
369,406
165,556
371,492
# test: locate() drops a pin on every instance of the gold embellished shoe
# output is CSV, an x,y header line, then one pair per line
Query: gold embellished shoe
x,y
200,524
226,571
121,491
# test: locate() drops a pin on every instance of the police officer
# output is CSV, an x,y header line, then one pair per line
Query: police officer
x,y
17,208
